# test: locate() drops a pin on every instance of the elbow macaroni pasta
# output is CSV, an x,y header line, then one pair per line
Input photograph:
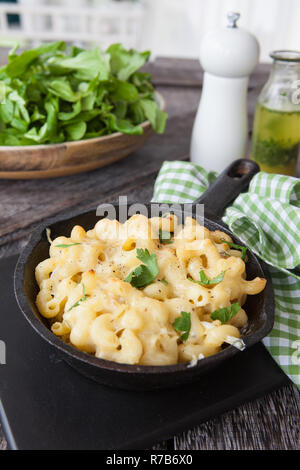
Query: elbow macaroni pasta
x,y
89,305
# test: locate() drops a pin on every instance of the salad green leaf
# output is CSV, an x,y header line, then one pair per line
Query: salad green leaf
x,y
124,63
50,94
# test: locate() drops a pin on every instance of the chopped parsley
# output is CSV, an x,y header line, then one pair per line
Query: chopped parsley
x,y
275,152
183,324
226,313
204,281
243,249
165,282
164,236
66,246
144,274
82,299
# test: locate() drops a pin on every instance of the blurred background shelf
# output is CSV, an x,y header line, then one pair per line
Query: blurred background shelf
x,y
83,22
172,28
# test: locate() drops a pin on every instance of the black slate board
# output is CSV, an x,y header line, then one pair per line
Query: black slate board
x,y
47,405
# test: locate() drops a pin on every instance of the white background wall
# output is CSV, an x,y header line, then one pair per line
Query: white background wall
x,y
175,27
166,27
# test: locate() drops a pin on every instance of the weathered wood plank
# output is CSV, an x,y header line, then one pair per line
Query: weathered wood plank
x,y
164,445
15,242
269,423
3,443
188,73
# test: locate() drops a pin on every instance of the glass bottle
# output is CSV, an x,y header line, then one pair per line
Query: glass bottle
x,y
276,129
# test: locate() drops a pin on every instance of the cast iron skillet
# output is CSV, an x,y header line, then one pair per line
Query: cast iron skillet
x,y
260,308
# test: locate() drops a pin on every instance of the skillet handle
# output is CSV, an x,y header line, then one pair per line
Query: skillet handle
x,y
231,182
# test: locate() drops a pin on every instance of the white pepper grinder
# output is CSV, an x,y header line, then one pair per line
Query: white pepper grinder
x,y
220,131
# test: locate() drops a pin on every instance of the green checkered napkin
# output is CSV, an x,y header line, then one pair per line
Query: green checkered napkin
x,y
267,220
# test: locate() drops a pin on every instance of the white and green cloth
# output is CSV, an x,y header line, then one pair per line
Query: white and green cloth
x,y
267,220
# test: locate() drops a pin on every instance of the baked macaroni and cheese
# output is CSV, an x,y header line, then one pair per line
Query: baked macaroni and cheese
x,y
148,292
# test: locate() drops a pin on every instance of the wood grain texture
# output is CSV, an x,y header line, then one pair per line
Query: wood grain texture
x,y
3,443
271,422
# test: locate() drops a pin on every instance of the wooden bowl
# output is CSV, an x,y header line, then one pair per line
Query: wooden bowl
x,y
51,160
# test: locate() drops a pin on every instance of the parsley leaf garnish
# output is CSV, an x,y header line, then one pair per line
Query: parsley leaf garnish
x,y
66,246
82,299
204,281
164,236
183,323
243,249
226,313
144,274
149,260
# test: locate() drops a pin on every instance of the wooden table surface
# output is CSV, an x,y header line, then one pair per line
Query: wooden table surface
x,y
271,422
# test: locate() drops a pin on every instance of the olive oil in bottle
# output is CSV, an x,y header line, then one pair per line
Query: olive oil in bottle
x,y
276,129
276,140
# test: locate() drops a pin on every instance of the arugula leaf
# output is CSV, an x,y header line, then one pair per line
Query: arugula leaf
x,y
124,91
121,108
204,281
122,125
62,88
19,124
82,299
124,63
164,236
51,107
19,63
88,102
6,111
144,274
66,116
183,323
243,249
76,131
156,116
37,135
36,115
161,119
66,246
86,65
136,112
226,313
